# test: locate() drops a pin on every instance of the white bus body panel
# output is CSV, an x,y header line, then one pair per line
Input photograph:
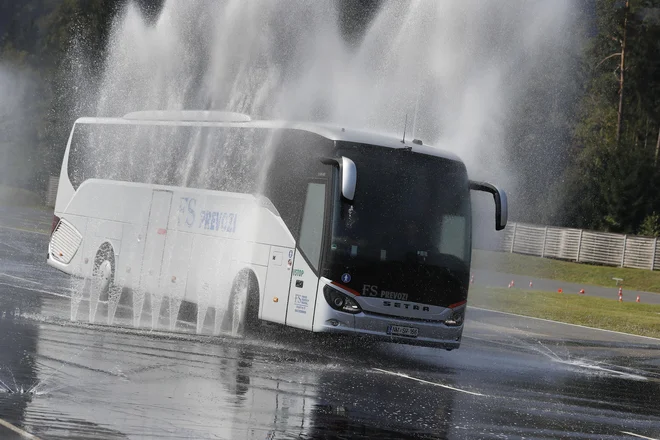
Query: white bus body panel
x,y
154,246
184,243
274,303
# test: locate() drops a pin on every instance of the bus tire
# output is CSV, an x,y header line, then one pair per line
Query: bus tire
x,y
242,315
103,287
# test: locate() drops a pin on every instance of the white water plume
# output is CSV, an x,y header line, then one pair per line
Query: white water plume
x,y
17,137
455,68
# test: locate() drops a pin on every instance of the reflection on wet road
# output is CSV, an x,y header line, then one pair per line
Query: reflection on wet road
x,y
513,377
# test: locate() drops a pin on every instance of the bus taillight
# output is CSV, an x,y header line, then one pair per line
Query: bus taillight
x,y
56,220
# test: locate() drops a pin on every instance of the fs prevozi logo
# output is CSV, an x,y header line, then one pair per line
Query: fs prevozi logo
x,y
346,278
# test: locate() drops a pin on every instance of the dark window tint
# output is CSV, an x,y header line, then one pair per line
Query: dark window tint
x,y
223,159
408,228
407,206
311,229
295,162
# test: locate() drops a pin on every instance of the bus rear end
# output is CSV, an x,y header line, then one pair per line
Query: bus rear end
x,y
65,240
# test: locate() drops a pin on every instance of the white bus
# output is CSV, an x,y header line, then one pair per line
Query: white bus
x,y
311,226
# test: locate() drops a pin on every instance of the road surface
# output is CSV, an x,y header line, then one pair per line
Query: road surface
x,y
513,377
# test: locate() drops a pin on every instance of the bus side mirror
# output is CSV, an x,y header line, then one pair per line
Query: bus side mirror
x,y
501,208
348,172
348,178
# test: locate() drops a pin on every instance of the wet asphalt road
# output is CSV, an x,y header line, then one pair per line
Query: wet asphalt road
x,y
513,377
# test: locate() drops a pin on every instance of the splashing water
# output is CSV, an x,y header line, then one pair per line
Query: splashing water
x,y
453,69
582,365
17,88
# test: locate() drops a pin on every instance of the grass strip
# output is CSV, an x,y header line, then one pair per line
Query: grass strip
x,y
628,317
635,279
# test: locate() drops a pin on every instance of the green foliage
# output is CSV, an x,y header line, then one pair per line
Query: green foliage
x,y
651,225
614,184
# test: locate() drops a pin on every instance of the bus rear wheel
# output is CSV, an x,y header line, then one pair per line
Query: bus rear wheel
x,y
242,315
102,286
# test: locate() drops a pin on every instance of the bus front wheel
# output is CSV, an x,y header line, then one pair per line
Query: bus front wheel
x,y
242,315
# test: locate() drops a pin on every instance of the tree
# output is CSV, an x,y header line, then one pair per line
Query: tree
x,y
612,167
651,225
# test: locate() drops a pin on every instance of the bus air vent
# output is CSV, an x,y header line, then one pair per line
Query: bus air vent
x,y
64,242
188,115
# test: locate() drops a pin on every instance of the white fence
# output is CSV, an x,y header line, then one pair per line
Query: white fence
x,y
582,246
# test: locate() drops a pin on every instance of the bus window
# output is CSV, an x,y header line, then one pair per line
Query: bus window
x,y
214,158
293,161
452,236
311,229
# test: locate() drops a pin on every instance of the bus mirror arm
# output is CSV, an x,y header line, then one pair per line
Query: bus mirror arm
x,y
348,173
501,208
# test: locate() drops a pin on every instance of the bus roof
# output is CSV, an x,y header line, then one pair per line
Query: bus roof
x,y
328,131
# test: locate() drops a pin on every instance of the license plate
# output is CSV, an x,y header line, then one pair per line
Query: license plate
x,y
398,330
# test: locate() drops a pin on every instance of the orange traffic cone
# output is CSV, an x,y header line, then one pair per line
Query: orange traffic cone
x,y
637,299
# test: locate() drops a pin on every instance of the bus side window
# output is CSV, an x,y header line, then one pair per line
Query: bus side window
x,y
452,236
311,228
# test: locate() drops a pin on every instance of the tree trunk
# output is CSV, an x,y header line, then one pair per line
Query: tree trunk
x,y
657,148
622,67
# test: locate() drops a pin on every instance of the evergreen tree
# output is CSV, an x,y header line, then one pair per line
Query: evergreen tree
x,y
612,174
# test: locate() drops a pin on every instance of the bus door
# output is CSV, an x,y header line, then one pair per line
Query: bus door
x,y
152,259
307,256
278,279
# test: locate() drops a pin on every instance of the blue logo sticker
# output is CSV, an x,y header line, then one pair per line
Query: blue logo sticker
x,y
346,278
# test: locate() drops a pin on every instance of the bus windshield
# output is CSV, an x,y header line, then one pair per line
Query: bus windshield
x,y
408,227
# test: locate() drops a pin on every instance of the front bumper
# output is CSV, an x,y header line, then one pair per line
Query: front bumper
x,y
372,326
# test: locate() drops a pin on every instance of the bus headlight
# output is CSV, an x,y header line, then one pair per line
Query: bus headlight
x,y
456,318
340,301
